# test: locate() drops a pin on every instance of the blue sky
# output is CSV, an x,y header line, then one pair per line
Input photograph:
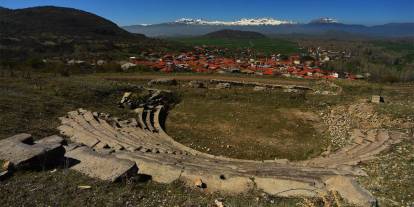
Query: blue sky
x,y
127,12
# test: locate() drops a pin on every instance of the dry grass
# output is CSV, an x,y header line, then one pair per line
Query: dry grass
x,y
244,124
33,105
60,188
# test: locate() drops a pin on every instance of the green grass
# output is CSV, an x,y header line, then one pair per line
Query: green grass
x,y
264,45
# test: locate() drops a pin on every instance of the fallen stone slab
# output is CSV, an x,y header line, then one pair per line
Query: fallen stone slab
x,y
22,151
377,99
104,167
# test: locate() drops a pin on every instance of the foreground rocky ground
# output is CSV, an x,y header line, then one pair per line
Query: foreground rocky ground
x,y
391,176
61,90
62,188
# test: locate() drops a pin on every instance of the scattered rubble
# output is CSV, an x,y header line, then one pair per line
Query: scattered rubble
x,y
290,90
326,87
259,88
391,176
163,81
147,99
223,85
197,84
342,120
127,66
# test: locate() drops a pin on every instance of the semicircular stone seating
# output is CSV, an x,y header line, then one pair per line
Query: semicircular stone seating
x,y
144,141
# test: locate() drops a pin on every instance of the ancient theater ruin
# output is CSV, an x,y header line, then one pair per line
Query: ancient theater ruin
x,y
110,149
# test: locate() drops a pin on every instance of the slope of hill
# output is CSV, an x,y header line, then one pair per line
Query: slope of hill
x,y
227,33
61,32
56,20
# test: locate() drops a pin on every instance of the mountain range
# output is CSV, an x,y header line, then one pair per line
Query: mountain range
x,y
270,26
241,22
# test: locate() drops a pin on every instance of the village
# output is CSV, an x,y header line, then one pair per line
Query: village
x,y
206,59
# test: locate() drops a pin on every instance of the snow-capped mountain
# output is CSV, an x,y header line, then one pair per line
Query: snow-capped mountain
x,y
325,20
270,26
241,22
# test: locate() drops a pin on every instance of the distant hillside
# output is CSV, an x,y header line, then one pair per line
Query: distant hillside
x,y
315,28
65,32
228,34
238,46
56,20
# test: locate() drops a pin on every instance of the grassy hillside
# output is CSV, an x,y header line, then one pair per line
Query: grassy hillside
x,y
61,32
58,20
263,45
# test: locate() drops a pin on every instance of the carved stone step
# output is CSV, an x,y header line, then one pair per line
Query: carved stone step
x,y
104,167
